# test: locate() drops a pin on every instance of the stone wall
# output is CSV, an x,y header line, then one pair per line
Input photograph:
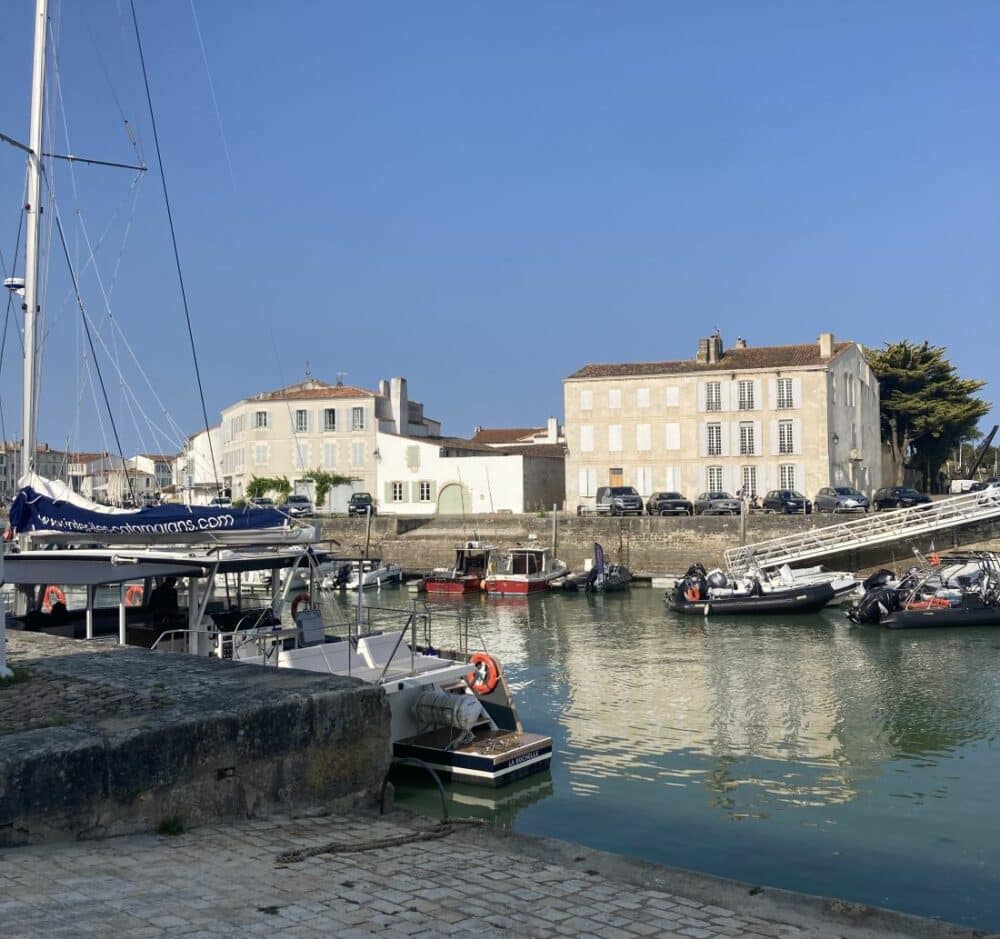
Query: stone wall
x,y
651,545
100,740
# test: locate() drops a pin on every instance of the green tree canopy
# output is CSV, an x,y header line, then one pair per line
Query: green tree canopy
x,y
926,409
324,481
262,485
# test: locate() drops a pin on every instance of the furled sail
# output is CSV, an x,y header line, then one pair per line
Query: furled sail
x,y
49,507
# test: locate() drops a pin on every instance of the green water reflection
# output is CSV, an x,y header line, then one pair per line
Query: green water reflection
x,y
804,753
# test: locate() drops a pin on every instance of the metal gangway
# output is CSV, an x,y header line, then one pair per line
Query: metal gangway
x,y
873,529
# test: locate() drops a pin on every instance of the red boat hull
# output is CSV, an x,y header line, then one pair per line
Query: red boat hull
x,y
454,585
514,587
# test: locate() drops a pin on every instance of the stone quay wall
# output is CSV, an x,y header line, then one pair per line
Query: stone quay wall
x,y
99,740
648,544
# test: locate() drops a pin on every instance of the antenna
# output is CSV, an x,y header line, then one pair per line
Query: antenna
x,y
309,374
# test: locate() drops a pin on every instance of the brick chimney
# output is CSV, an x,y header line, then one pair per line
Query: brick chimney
x,y
552,431
826,345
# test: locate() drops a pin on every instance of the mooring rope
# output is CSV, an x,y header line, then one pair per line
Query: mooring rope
x,y
439,830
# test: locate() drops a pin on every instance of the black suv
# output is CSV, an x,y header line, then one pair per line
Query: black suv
x,y
360,503
786,500
668,503
619,500
898,497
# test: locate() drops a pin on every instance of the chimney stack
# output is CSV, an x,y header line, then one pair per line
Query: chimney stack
x,y
741,343
714,348
552,431
702,357
826,345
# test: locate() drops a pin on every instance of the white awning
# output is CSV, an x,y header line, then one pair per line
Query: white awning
x,y
63,569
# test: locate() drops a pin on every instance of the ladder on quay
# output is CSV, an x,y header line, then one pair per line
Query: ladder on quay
x,y
877,528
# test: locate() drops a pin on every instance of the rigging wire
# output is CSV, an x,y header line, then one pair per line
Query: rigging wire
x,y
90,342
10,304
173,240
211,88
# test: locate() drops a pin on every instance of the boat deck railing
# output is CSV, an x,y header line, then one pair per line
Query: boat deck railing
x,y
877,528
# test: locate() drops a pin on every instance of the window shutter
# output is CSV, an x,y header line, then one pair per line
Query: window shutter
x,y
668,476
701,396
796,392
772,476
583,483
758,440
800,477
703,476
796,435
772,436
727,479
724,433
388,494
757,400
734,435
772,394
673,436
703,439
726,394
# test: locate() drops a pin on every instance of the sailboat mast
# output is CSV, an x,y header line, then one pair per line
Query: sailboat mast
x,y
33,208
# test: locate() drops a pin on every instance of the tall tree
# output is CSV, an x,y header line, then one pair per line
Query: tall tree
x,y
926,408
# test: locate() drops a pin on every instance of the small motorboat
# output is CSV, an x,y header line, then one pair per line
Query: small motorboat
x,y
373,573
961,590
715,593
466,575
601,578
523,570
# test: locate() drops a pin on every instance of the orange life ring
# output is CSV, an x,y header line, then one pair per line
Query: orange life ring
x,y
486,673
52,595
300,599
133,596
693,593
935,559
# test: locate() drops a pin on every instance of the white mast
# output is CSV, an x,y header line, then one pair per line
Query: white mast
x,y
33,208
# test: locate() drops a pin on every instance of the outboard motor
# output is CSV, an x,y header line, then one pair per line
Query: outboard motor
x,y
873,606
717,579
343,575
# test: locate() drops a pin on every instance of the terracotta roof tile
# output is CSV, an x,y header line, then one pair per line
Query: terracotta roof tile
x,y
549,450
489,435
313,390
759,357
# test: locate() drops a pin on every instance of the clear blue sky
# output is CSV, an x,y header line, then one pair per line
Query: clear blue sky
x,y
485,197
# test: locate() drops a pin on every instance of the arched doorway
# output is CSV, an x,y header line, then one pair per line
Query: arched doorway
x,y
454,499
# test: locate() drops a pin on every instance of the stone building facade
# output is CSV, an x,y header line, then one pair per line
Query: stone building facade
x,y
796,417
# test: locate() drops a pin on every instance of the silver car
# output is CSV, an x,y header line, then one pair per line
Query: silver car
x,y
840,499
716,503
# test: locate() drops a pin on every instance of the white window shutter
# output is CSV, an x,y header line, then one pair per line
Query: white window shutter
x,y
583,482
725,394
757,400
591,481
673,436
796,392
734,433
772,394
772,436
668,476
727,479
725,437
772,476
701,395
703,439
703,477
642,437
800,477
796,435
758,441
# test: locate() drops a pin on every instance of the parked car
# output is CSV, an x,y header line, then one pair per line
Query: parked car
x,y
221,502
987,484
619,500
716,503
840,499
668,503
788,501
898,497
262,502
360,503
299,506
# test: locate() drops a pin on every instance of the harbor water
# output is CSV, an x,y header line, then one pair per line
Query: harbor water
x,y
803,753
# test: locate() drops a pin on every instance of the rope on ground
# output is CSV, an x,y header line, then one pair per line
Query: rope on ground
x,y
439,830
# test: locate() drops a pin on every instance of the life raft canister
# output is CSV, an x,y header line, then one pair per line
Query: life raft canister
x,y
693,593
486,673
52,595
300,599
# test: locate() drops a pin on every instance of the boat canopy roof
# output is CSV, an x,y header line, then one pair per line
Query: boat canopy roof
x,y
92,567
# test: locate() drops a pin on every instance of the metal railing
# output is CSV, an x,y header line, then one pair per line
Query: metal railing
x,y
877,528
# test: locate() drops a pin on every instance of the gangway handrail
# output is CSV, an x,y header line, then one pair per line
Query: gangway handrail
x,y
872,529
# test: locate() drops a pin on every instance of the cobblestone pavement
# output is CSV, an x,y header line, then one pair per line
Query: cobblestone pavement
x,y
225,881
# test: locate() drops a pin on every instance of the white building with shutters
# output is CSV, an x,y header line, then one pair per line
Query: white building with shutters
x,y
790,417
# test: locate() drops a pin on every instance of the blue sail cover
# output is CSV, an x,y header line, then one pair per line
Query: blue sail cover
x,y
33,512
